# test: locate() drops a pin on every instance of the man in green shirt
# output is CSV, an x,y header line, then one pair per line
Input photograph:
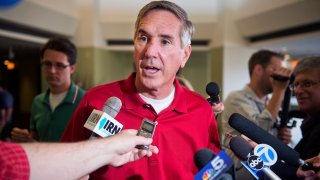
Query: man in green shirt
x,y
52,110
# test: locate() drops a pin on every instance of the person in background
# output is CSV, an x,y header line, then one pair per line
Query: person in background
x,y
6,109
253,102
306,87
52,110
307,91
185,120
70,160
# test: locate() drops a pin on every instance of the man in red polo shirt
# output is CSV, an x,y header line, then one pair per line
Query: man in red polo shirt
x,y
186,123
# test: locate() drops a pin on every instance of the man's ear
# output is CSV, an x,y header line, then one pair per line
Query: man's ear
x,y
73,68
185,55
257,70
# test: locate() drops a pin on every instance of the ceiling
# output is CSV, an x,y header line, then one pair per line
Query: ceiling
x,y
296,47
203,11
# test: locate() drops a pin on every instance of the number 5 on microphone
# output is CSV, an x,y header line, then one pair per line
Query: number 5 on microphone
x,y
147,129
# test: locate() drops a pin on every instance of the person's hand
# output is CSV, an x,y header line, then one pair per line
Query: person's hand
x,y
21,135
310,174
250,142
284,134
123,147
217,108
281,85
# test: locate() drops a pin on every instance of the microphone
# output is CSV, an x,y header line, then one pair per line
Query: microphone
x,y
257,134
254,162
213,90
102,123
212,166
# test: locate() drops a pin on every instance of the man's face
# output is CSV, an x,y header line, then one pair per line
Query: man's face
x,y
158,53
56,68
307,91
266,81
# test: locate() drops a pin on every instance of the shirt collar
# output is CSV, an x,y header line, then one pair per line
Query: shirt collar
x,y
70,97
132,99
250,94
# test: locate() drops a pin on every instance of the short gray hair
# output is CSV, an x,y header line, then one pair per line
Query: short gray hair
x,y
187,27
307,64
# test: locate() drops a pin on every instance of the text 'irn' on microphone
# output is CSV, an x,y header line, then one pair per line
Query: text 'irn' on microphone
x,y
212,166
102,123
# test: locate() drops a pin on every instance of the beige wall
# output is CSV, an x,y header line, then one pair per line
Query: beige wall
x,y
98,66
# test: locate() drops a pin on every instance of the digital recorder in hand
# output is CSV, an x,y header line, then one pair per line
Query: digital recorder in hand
x,y
147,129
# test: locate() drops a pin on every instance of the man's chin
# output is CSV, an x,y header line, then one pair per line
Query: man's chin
x,y
53,84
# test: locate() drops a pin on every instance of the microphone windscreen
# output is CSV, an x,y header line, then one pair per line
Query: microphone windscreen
x,y
259,135
203,157
112,106
212,89
240,147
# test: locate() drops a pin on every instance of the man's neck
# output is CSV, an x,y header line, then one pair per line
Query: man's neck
x,y
59,89
158,94
259,93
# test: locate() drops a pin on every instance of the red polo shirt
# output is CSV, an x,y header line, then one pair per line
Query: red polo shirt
x,y
14,163
184,127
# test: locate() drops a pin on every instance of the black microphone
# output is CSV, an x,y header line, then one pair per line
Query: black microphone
x,y
242,149
213,90
259,135
205,156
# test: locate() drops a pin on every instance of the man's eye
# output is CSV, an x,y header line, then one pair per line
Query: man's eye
x,y
143,38
165,41
59,65
47,63
307,83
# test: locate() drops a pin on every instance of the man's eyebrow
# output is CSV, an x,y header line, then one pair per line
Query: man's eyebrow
x,y
166,36
142,31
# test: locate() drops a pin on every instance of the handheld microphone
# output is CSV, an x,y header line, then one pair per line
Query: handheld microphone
x,y
257,134
102,123
253,162
213,90
212,166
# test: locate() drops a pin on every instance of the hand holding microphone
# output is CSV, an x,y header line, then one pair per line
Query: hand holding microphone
x,y
102,123
257,134
126,151
213,91
315,161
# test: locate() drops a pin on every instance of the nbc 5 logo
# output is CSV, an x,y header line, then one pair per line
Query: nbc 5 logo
x,y
266,153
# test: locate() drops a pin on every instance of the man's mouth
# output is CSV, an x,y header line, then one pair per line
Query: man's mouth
x,y
299,99
151,69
